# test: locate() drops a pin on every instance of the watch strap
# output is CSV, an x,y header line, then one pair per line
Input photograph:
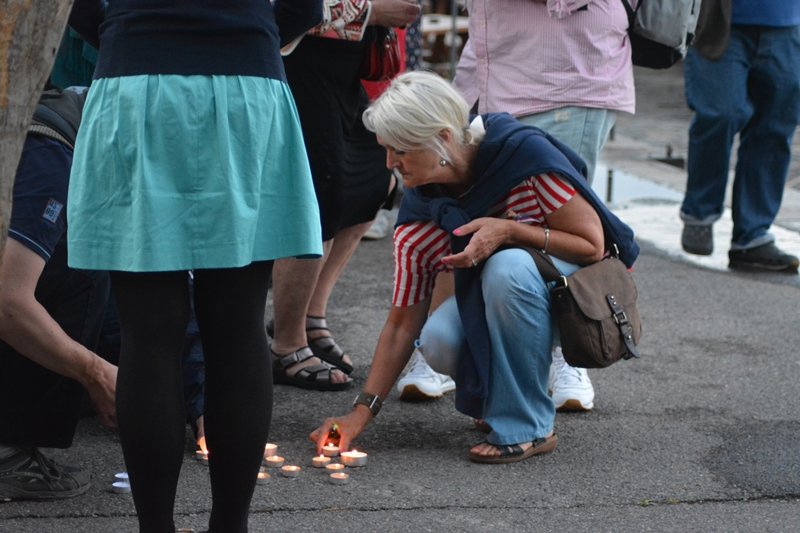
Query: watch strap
x,y
372,402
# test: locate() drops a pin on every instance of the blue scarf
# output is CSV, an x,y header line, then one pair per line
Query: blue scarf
x,y
509,153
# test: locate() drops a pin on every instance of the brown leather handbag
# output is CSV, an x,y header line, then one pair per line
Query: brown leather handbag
x,y
595,309
381,60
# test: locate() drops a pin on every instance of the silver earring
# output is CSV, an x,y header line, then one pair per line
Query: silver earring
x,y
442,163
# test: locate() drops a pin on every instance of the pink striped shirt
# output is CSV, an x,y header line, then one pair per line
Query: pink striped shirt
x,y
420,246
525,57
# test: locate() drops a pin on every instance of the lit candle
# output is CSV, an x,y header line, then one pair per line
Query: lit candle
x,y
320,462
274,461
270,449
121,487
334,467
339,478
290,471
263,477
330,450
354,458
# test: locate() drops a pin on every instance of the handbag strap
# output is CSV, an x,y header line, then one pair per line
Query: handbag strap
x,y
545,265
624,325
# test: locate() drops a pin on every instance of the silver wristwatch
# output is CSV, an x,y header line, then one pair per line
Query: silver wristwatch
x,y
373,402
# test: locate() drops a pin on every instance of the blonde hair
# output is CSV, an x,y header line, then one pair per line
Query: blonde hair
x,y
414,109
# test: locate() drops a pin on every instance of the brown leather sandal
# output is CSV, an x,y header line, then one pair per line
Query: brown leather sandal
x,y
514,452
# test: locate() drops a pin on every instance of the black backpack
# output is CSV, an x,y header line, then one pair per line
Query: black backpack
x,y
58,114
661,30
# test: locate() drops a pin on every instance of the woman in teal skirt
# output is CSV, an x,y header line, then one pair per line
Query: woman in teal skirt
x,y
190,157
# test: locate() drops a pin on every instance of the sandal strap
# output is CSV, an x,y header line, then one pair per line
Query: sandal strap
x,y
509,450
316,323
314,373
328,346
289,359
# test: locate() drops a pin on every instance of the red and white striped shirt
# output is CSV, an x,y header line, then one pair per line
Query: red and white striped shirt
x,y
420,246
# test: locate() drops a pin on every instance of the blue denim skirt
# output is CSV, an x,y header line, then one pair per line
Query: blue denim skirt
x,y
189,172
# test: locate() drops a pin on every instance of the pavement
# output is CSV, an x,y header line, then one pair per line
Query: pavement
x,y
700,434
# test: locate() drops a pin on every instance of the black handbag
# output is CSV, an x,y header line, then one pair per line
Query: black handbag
x,y
595,309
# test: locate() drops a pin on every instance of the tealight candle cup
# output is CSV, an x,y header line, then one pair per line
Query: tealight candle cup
x,y
274,461
320,461
353,458
334,467
263,477
270,449
329,450
339,478
290,471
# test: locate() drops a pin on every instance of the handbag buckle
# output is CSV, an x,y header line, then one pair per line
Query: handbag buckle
x,y
616,311
620,318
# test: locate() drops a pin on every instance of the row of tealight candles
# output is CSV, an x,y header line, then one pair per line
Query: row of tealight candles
x,y
353,458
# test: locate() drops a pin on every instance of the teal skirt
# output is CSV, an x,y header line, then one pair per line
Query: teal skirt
x,y
189,172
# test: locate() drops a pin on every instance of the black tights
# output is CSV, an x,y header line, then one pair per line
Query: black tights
x,y
154,311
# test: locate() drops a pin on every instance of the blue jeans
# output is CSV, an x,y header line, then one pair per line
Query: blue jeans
x,y
584,129
521,335
752,90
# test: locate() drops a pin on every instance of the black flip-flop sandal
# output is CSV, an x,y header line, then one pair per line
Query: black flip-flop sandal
x,y
514,452
314,377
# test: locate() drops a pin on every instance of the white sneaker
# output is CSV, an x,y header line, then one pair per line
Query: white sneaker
x,y
570,387
381,227
422,382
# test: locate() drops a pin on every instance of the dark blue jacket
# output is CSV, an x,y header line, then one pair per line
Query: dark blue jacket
x,y
509,153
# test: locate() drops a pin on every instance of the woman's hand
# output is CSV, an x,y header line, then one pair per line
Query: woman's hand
x,y
394,13
488,234
348,427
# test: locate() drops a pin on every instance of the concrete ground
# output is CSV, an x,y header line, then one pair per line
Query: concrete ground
x,y
700,434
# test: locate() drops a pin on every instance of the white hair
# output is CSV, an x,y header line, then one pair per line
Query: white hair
x,y
414,109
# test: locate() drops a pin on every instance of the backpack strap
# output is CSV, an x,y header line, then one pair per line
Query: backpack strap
x,y
631,12
58,114
46,131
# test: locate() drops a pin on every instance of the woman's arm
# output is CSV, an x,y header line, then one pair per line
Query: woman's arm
x,y
574,234
347,19
393,351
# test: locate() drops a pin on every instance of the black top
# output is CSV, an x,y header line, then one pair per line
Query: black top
x,y
185,37
38,217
